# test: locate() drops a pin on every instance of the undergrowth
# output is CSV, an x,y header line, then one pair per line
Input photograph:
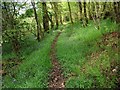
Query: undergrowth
x,y
86,61
33,70
89,58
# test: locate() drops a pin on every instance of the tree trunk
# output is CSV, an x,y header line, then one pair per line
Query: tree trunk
x,y
61,18
117,11
38,24
85,15
94,13
70,12
52,23
55,9
97,15
56,14
50,19
45,17
80,9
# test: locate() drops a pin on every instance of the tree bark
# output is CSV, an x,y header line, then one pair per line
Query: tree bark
x,y
45,17
80,9
61,19
56,14
94,13
70,12
117,11
55,9
85,15
38,24
50,19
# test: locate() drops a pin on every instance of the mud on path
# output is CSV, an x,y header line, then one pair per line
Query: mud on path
x,y
56,79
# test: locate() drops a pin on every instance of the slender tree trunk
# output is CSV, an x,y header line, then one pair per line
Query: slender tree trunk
x,y
45,17
61,18
52,23
117,11
85,15
60,12
55,9
80,9
56,14
98,15
50,19
89,14
93,15
38,24
70,12
104,8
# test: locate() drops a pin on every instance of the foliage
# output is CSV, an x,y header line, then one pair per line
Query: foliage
x,y
88,55
33,72
81,57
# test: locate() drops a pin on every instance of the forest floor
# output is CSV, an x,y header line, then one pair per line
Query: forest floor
x,y
75,57
89,57
56,76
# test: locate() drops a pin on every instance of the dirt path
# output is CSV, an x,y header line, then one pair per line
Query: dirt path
x,y
56,78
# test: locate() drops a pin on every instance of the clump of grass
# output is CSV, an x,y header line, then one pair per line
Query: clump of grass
x,y
74,48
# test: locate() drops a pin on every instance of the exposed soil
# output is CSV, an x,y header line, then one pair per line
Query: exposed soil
x,y
56,79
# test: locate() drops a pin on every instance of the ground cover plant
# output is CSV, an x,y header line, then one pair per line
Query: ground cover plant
x,y
60,44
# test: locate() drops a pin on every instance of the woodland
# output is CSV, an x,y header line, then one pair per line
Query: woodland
x,y
60,44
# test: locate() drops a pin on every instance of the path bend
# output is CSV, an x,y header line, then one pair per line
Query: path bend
x,y
56,79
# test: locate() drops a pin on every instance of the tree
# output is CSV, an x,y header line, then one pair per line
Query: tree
x,y
117,11
60,13
45,17
10,25
80,9
50,16
70,12
97,15
55,9
38,24
85,21
94,12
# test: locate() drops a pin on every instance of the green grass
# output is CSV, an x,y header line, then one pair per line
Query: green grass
x,y
34,69
74,48
83,62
